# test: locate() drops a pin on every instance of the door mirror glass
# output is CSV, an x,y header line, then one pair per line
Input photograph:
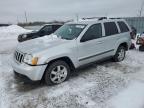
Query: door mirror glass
x,y
87,38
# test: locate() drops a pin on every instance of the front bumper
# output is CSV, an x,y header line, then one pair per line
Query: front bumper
x,y
34,73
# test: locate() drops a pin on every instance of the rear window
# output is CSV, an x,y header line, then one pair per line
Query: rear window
x,y
110,28
123,27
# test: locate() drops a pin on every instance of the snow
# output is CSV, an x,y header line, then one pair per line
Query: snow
x,y
132,97
12,28
102,85
8,37
10,32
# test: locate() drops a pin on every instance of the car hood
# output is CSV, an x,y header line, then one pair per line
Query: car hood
x,y
40,44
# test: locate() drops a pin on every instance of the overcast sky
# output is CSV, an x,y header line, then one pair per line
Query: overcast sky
x,y
47,10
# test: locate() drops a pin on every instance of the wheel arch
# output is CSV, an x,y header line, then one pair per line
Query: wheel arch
x,y
65,59
124,44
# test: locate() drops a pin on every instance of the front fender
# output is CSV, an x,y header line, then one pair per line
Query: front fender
x,y
46,57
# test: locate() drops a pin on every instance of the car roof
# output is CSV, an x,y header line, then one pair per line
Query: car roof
x,y
95,21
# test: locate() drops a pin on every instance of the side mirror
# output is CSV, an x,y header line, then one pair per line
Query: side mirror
x,y
83,39
87,38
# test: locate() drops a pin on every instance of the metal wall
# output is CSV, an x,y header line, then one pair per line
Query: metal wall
x,y
137,22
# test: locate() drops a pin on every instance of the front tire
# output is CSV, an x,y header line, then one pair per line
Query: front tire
x,y
120,54
57,72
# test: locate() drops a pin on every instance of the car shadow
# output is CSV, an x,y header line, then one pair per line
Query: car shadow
x,y
27,85
86,68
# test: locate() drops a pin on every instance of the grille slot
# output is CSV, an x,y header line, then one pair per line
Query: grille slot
x,y
18,56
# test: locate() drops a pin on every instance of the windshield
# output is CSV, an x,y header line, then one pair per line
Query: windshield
x,y
70,31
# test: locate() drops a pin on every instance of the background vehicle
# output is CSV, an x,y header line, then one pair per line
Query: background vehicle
x,y
45,30
140,41
73,45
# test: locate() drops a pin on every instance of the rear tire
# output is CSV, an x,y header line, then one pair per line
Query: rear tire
x,y
120,54
57,72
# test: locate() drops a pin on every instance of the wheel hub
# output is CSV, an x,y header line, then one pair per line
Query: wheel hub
x,y
121,54
58,74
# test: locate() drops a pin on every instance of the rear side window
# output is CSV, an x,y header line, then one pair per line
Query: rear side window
x,y
123,26
94,32
110,28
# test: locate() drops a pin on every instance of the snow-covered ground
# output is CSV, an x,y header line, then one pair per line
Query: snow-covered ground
x,y
102,85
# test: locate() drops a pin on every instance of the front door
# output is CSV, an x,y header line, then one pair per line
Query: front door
x,y
91,45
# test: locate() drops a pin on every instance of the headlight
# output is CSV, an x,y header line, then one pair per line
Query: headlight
x,y
24,36
29,59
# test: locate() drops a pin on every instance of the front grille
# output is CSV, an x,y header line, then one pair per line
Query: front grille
x,y
18,56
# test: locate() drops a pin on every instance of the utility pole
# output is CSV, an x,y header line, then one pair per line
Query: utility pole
x,y
77,17
17,20
25,16
141,9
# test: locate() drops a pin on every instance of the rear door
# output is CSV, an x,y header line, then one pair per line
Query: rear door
x,y
125,31
110,38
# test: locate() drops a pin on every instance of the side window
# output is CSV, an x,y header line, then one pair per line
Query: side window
x,y
94,32
46,29
110,28
123,26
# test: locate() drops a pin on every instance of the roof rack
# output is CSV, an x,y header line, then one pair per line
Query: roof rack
x,y
90,18
114,18
102,18
98,18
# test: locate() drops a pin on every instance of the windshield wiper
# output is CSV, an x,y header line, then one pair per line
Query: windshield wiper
x,y
63,37
66,38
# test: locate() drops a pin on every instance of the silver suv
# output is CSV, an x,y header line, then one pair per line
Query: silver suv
x,y
53,57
